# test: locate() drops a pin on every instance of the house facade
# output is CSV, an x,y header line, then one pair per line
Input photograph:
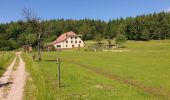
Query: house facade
x,y
68,40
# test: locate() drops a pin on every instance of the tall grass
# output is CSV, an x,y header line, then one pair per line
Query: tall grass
x,y
5,60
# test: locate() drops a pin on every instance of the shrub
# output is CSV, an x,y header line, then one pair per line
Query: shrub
x,y
120,40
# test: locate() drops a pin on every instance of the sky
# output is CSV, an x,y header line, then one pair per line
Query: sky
x,y
10,10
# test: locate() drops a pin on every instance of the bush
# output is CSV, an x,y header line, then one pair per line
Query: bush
x,y
34,56
120,40
53,48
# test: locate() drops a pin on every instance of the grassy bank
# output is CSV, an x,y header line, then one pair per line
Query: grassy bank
x,y
141,72
5,60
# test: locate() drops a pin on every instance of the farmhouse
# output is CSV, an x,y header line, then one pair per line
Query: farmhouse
x,y
68,40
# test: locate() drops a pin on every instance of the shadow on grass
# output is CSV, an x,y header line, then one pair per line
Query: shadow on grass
x,y
49,60
2,69
62,85
5,84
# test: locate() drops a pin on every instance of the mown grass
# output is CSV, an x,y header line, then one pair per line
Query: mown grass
x,y
5,60
141,73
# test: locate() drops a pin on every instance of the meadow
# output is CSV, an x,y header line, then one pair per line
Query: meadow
x,y
5,59
140,72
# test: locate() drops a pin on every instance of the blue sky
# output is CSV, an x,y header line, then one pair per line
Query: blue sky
x,y
10,10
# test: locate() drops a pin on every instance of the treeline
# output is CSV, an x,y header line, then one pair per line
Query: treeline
x,y
144,27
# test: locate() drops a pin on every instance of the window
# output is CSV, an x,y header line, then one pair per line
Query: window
x,y
58,46
71,37
71,41
66,41
75,41
75,37
66,45
79,41
73,46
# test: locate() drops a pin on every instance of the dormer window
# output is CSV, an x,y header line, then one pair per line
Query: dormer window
x,y
71,37
66,41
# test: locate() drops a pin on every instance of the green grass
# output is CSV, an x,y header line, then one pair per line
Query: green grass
x,y
5,60
141,73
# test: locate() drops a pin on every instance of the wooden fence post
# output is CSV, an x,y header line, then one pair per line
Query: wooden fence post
x,y
58,61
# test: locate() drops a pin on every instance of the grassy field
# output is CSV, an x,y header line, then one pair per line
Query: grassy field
x,y
141,72
5,59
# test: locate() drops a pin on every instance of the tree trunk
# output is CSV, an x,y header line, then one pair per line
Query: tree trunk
x,y
39,48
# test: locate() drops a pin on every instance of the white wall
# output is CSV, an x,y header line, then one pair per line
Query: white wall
x,y
70,44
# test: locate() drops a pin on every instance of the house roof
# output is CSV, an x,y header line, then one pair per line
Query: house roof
x,y
64,36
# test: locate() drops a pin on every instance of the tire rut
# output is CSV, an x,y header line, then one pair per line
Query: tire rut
x,y
148,89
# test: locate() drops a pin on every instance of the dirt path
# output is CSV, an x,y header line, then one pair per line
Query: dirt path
x,y
4,80
16,88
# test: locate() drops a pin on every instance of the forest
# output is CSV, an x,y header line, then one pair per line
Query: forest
x,y
154,26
